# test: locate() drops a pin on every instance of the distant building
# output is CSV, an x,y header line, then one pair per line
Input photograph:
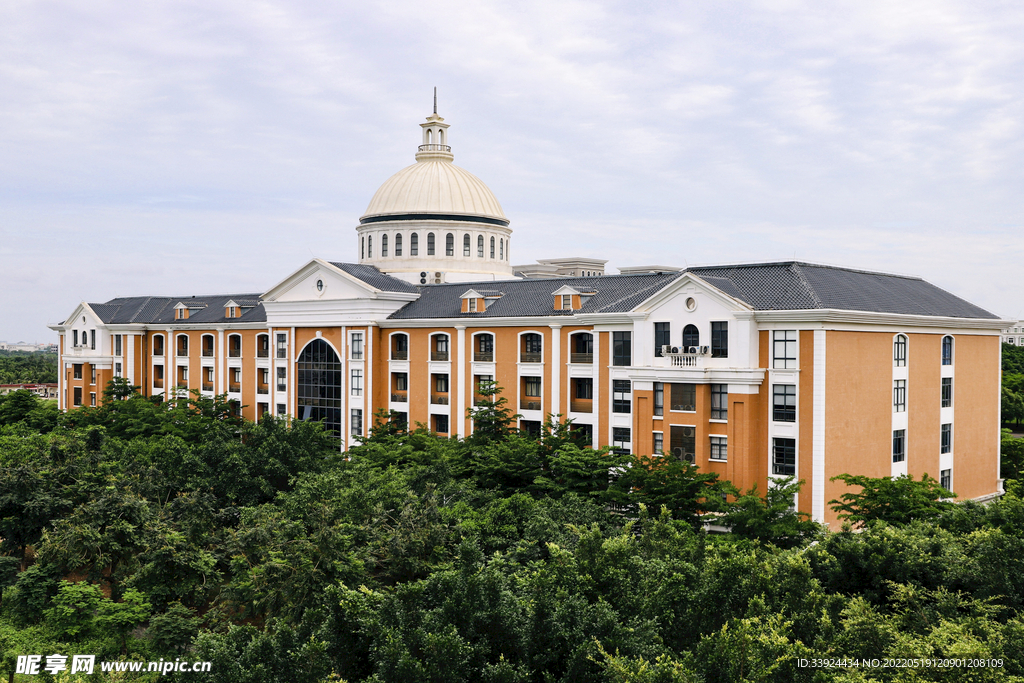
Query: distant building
x,y
47,390
754,371
22,346
1014,334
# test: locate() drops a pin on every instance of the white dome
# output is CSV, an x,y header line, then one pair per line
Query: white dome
x,y
434,186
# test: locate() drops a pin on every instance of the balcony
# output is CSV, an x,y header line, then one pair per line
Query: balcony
x,y
581,406
263,353
581,358
439,355
208,353
526,357
234,388
439,400
434,148
400,398
235,353
263,389
182,352
207,386
483,357
529,405
399,355
687,360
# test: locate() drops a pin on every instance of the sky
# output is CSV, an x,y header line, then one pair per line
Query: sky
x,y
178,148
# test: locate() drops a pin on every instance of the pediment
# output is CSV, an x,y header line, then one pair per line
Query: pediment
x,y
320,281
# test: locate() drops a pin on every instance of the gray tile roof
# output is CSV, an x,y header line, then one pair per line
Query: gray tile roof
x,y
533,297
373,277
160,309
792,285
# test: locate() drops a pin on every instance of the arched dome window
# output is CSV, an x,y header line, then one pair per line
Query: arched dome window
x,y
384,246
430,136
466,245
449,245
691,336
480,246
414,245
501,249
362,247
430,244
492,247
369,247
398,244
440,137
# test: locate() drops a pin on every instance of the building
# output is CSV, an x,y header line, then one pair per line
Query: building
x,y
753,371
1014,334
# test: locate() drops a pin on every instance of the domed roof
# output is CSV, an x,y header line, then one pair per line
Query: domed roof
x,y
435,186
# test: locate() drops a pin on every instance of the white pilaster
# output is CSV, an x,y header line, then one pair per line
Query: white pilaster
x,y
556,367
818,430
460,415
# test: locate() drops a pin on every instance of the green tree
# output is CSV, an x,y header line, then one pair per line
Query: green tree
x,y
773,518
492,419
679,486
899,500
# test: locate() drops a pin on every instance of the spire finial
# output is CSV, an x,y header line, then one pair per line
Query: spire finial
x,y
435,99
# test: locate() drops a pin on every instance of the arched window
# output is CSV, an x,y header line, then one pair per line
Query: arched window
x,y
439,347
449,245
263,346
430,244
899,350
383,246
414,245
483,350
466,245
319,385
440,137
947,350
532,348
369,247
430,136
208,346
398,245
492,247
501,250
582,348
234,346
480,246
362,248
400,346
691,336
182,345
158,344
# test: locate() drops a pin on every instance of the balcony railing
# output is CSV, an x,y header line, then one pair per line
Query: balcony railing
x,y
399,398
399,355
158,383
234,388
581,406
235,353
439,400
687,360
207,386
207,353
484,356
527,357
582,358
182,352
529,405
439,355
263,390
435,148
263,353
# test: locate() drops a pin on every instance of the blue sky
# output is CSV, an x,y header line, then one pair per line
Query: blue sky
x,y
196,147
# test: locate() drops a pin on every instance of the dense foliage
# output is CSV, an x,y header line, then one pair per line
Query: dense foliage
x,y
1013,384
24,367
143,530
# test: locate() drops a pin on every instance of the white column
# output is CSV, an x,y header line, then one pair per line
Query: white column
x,y
345,415
128,358
62,347
818,430
460,416
556,367
596,431
170,358
222,364
368,378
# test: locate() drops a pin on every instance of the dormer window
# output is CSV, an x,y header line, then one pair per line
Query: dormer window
x,y
569,298
471,305
477,301
567,302
180,312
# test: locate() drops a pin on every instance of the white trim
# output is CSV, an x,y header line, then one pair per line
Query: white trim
x,y
831,315
556,369
461,371
818,429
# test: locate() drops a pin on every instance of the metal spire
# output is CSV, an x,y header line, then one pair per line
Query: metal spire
x,y
435,99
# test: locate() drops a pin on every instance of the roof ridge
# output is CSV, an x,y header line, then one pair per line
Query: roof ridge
x,y
795,269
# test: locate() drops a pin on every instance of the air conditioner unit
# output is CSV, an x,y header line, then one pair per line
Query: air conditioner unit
x,y
437,274
666,350
693,349
675,349
705,350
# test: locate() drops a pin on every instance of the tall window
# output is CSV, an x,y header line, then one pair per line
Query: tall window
x,y
465,245
532,349
263,346
622,350
401,381
683,442
92,339
362,248
530,428
691,337
208,345
440,424
720,340
449,245
582,348
357,346
398,245
566,304
441,384
414,245
430,244
531,387
946,479
622,400
282,345
899,351
946,438
784,402
235,346
719,401
400,347
684,397
492,247
182,344
501,249
369,247
158,345
356,383
583,388
621,440
282,379
899,395
947,350
899,445
947,392
784,349
662,336
484,351
440,350
659,442
784,457
318,386
117,345
384,246
356,422
480,246
75,337
659,398
719,448
77,370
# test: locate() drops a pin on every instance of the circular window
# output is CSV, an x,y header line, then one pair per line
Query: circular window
x,y
319,285
691,303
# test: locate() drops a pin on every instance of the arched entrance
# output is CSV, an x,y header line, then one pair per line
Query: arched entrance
x,y
319,385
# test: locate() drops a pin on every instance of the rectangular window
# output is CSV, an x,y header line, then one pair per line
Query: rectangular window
x,y
158,345
282,379
530,428
899,395
784,349
182,377
357,346
441,424
208,379
430,244
282,409
235,346
946,479
684,397
622,351
719,449
584,388
356,383
92,339
78,396
621,440
401,381
684,443
74,336
158,376
585,432
282,346
356,422
947,350
92,374
659,398
471,304
659,443
117,369
92,399
531,386
567,302
262,409
784,457
236,375
662,337
899,445
622,400
947,392
77,369
784,402
441,384
720,340
719,401
117,345
899,351
946,438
